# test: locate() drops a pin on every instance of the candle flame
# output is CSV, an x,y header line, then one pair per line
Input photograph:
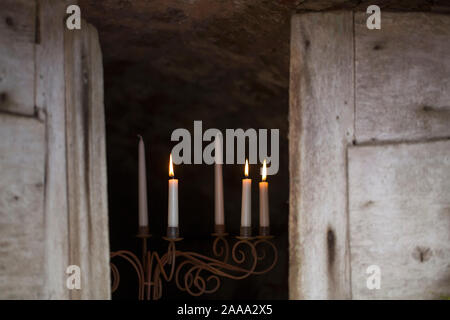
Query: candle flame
x,y
246,168
264,171
171,174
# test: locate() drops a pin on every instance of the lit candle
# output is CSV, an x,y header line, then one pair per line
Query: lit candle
x,y
246,208
218,188
143,211
172,229
264,203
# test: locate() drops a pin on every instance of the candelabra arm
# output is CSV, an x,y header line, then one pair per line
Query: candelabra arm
x,y
232,264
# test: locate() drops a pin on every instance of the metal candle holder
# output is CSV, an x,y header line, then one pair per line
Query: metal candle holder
x,y
195,273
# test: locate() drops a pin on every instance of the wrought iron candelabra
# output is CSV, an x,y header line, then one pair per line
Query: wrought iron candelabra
x,y
195,273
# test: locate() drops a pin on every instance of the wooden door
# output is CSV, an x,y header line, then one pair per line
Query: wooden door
x,y
370,155
53,195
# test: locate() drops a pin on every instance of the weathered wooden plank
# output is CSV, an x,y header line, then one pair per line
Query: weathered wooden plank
x,y
320,126
88,216
50,97
17,38
35,255
18,21
400,219
402,77
76,114
22,159
98,197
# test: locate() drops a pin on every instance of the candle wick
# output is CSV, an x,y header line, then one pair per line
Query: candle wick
x,y
139,136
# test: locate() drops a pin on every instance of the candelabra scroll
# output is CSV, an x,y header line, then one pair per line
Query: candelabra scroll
x,y
195,273
265,240
221,248
154,277
134,261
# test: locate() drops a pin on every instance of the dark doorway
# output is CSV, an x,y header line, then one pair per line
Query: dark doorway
x,y
167,64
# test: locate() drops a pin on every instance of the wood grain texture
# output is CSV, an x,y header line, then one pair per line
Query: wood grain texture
x,y
400,219
17,69
50,100
22,238
56,153
320,126
88,214
75,139
98,197
402,77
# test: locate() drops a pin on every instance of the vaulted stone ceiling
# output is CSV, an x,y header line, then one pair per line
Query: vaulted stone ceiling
x,y
230,52
203,40
205,43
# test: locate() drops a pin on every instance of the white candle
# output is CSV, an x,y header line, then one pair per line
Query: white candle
x,y
219,216
264,199
173,198
246,208
143,211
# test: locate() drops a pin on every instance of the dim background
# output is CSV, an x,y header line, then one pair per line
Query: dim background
x,y
165,65
155,115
